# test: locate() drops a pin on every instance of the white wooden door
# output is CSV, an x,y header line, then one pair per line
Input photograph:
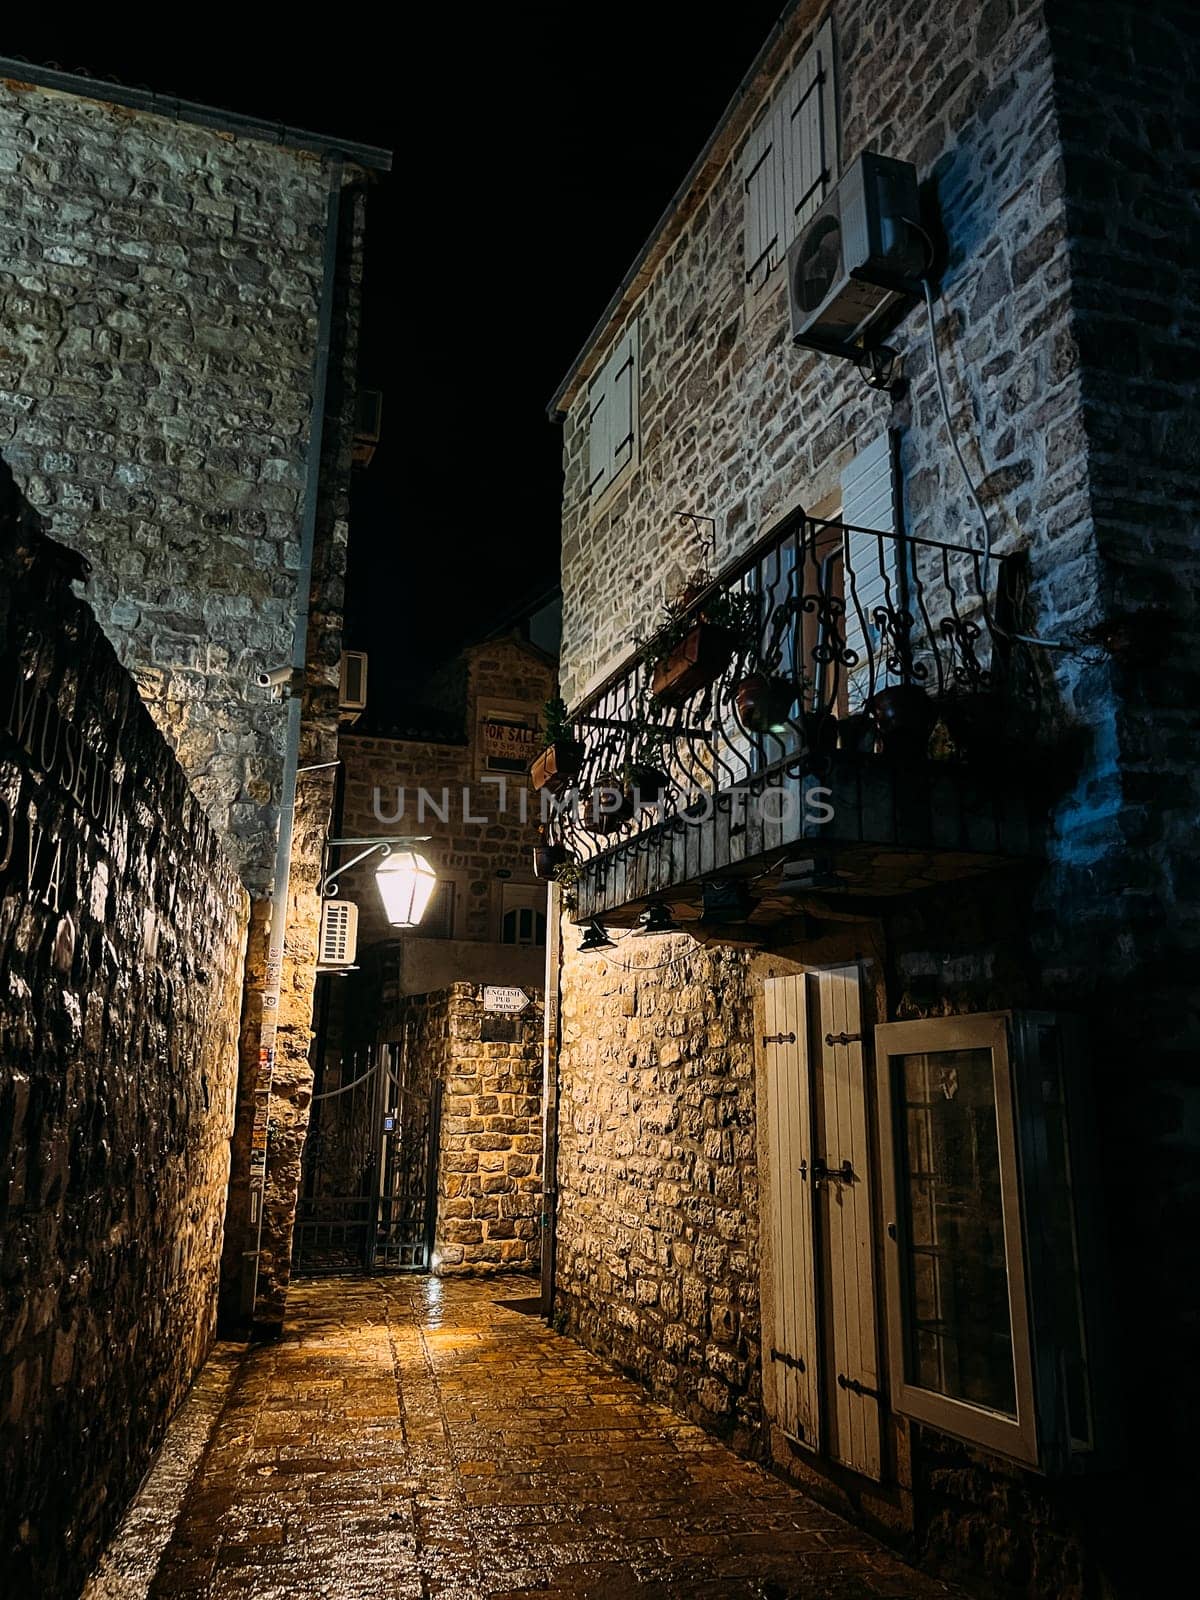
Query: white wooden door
x,y
820,1337
790,1336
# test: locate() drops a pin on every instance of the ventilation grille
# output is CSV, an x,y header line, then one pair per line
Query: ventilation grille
x,y
339,933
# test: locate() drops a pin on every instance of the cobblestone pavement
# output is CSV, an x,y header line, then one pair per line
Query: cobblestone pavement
x,y
420,1437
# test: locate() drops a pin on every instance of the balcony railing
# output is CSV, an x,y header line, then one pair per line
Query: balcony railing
x,y
823,644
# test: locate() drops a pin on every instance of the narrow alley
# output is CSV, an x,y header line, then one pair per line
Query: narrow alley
x,y
414,1437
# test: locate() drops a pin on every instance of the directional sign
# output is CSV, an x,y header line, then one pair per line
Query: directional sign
x,y
509,1001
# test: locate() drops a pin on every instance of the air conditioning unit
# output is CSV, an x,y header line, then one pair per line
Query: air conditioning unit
x,y
368,424
352,686
858,259
338,944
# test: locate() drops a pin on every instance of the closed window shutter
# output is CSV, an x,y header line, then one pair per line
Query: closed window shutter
x,y
808,124
791,158
623,398
762,180
599,449
872,570
613,413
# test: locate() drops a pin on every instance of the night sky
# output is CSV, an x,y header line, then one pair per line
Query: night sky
x,y
534,149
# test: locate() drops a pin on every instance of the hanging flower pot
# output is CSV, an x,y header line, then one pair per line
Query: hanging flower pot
x,y
547,857
764,702
644,786
695,663
904,715
558,766
857,733
605,807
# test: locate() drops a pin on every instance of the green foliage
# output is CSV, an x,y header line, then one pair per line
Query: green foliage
x,y
556,722
732,609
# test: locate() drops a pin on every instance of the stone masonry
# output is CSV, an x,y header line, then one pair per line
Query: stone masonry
x,y
1050,143
122,927
159,305
489,1179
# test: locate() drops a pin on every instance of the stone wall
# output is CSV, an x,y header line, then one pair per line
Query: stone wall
x,y
290,1076
121,934
159,303
489,1183
657,1249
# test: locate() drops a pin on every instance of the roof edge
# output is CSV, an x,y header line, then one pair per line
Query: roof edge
x,y
172,109
750,79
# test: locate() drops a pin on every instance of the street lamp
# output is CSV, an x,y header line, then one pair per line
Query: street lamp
x,y
404,878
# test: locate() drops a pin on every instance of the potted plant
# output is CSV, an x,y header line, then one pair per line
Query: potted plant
x,y
972,717
904,715
559,764
691,649
642,784
606,806
765,701
548,856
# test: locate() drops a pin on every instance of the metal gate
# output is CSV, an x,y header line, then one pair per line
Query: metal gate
x,y
369,1192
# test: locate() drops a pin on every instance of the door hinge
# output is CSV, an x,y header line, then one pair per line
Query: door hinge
x,y
843,1038
855,1387
795,1362
779,1038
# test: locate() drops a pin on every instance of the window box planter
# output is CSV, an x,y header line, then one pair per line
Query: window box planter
x,y
695,663
558,766
644,786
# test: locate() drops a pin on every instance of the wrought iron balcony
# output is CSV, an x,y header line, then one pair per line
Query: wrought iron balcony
x,y
839,692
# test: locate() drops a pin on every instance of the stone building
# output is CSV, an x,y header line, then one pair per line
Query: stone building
x,y
179,294
881,1166
433,1158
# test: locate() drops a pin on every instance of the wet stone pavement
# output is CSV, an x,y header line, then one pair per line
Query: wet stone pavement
x,y
414,1437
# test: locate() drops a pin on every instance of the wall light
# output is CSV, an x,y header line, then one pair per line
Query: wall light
x,y
406,883
596,938
404,878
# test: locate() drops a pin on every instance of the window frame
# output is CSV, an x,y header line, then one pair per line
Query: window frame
x,y
1015,1437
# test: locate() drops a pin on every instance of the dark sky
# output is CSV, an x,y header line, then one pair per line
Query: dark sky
x,y
534,149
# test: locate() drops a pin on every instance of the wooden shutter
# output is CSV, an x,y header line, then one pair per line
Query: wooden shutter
x,y
872,569
808,133
623,402
840,1116
791,159
762,181
613,413
790,1337
599,449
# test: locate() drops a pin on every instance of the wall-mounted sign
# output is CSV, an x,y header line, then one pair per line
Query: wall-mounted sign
x,y
508,1001
509,743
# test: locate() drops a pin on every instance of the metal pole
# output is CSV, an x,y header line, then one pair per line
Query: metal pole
x,y
273,978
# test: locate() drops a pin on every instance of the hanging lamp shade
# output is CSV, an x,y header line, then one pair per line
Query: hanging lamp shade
x,y
406,884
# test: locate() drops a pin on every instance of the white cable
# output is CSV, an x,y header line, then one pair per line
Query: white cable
x,y
950,433
1021,638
